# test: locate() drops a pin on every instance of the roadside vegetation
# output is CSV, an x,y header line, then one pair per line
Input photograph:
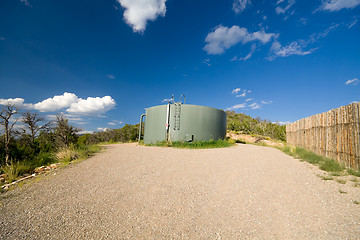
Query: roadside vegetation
x,y
324,163
329,165
28,141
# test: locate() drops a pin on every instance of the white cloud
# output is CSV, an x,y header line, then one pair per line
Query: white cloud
x,y
303,20
207,62
237,106
254,106
243,92
110,76
223,38
353,81
298,47
249,99
241,95
236,90
56,103
264,102
240,5
139,12
18,102
282,123
103,129
26,3
352,23
252,50
92,106
115,122
337,5
85,132
294,48
166,100
282,10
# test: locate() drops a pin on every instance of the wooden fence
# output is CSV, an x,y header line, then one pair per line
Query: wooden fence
x,y
334,134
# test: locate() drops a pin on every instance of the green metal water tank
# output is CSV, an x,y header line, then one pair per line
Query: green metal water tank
x,y
184,122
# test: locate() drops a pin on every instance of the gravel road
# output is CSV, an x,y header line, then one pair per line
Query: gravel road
x,y
137,192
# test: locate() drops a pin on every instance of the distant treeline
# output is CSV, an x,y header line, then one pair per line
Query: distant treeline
x,y
128,133
247,125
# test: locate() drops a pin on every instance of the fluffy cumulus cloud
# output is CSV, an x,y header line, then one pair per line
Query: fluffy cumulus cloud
x,y
353,81
337,5
223,38
18,102
240,5
138,12
92,106
56,103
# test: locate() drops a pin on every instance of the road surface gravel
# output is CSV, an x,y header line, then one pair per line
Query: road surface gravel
x,y
138,192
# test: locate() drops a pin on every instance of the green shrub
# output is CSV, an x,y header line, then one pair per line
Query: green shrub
x,y
324,163
15,169
353,172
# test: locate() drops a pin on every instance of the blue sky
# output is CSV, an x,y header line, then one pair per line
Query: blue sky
x,y
103,62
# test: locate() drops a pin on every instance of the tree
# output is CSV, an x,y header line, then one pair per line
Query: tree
x,y
7,112
31,120
65,133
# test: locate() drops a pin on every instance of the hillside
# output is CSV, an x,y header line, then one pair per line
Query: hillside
x,y
245,124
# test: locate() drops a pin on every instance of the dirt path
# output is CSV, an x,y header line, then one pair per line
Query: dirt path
x,y
135,192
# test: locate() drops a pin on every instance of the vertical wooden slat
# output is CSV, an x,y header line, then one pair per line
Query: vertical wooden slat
x,y
334,134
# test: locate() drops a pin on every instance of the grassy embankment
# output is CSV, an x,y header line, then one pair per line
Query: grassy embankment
x,y
64,156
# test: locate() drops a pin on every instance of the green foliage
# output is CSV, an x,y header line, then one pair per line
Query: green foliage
x,y
14,169
196,145
341,181
330,165
247,125
324,163
128,133
353,172
325,178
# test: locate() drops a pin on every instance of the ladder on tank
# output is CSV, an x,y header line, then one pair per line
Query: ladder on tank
x,y
177,116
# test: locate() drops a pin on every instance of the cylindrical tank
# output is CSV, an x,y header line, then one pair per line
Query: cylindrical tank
x,y
184,122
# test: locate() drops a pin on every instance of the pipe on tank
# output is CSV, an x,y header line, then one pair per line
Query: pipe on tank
x,y
140,127
167,122
182,95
